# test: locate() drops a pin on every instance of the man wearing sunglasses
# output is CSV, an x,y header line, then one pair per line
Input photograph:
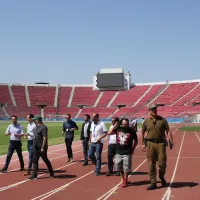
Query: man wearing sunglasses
x,y
155,144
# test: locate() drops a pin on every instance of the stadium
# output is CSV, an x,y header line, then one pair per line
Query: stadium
x,y
111,94
121,98
99,100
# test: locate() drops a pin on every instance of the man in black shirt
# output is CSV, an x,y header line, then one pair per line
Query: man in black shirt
x,y
125,148
69,126
40,147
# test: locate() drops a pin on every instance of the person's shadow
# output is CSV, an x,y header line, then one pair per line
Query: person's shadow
x,y
182,184
174,185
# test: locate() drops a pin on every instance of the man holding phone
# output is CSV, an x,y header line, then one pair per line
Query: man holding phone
x,y
69,126
112,148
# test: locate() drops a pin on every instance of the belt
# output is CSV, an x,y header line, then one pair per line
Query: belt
x,y
155,141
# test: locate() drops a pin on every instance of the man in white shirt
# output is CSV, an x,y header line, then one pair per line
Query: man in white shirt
x,y
97,132
133,124
112,147
31,129
15,131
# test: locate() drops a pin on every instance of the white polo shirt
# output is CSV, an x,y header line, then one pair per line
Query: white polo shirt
x,y
15,129
112,139
31,129
97,130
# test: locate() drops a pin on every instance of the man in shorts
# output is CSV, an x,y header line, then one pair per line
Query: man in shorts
x,y
125,148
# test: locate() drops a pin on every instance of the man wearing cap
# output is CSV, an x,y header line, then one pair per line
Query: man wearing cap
x,y
40,147
15,131
155,143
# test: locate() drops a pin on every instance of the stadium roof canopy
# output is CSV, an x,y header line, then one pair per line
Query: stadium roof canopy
x,y
42,83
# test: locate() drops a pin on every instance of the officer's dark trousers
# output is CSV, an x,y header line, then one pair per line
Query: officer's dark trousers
x,y
85,149
111,153
156,152
14,145
36,156
68,142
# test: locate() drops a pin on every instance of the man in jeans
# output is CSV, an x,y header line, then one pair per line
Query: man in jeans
x,y
69,127
112,147
15,131
31,129
97,132
125,148
85,136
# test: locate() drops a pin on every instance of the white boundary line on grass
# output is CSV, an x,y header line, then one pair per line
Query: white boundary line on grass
x,y
166,196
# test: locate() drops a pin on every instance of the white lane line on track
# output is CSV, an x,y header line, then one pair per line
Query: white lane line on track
x,y
50,193
50,148
42,162
168,191
110,192
197,136
49,152
19,183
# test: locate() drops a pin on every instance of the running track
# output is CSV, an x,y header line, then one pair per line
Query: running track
x,y
73,181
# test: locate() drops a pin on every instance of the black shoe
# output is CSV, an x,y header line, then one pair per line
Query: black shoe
x,y
108,174
153,186
117,174
3,170
22,170
94,162
32,178
163,181
52,176
85,163
97,173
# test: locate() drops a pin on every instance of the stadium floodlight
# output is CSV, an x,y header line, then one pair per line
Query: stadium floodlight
x,y
121,105
196,103
3,105
160,104
42,105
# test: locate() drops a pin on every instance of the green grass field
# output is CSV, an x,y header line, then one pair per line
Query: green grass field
x,y
190,128
55,129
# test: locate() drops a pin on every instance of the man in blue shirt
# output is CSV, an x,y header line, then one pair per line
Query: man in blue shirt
x,y
69,127
15,131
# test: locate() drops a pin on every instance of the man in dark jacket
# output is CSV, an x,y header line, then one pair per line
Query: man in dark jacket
x,y
85,136
69,126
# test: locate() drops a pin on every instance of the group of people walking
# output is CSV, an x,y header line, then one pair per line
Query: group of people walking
x,y
122,141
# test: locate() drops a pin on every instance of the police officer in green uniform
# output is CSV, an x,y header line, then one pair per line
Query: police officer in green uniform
x,y
155,144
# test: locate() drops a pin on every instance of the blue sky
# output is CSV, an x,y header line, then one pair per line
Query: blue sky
x,y
69,41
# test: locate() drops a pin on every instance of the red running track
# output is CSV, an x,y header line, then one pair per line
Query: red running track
x,y
73,181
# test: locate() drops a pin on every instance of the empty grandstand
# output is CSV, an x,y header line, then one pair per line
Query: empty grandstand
x,y
177,97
